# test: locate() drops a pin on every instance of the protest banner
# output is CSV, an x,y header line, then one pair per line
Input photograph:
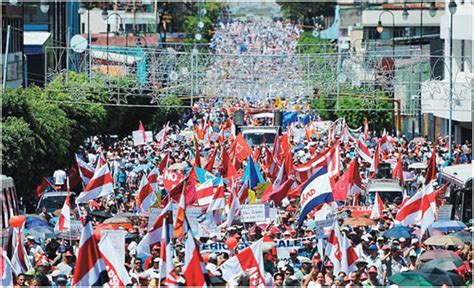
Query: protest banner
x,y
285,245
137,137
252,213
219,247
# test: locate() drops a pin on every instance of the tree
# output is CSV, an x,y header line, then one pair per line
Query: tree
x,y
213,9
308,44
304,11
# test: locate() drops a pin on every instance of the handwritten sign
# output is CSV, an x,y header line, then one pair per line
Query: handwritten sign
x,y
252,213
137,137
321,224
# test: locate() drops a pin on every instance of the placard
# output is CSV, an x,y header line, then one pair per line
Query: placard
x,y
252,213
219,247
285,245
137,137
321,224
193,213
444,212
203,230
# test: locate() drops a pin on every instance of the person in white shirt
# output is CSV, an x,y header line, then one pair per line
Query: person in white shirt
x,y
59,177
154,271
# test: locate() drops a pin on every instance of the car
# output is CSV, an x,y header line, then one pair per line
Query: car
x,y
388,189
259,135
55,200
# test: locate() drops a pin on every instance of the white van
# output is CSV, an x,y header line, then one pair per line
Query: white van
x,y
9,200
260,134
459,193
388,189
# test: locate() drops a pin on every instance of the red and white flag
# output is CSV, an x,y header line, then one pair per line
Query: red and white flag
x,y
428,200
386,142
90,268
101,184
64,221
218,199
362,150
19,260
410,212
166,255
6,270
232,209
205,193
161,136
341,253
154,234
194,269
377,209
146,196
305,171
85,170
248,260
171,179
118,275
374,166
153,179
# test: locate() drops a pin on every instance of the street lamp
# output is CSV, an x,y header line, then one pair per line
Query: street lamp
x,y
105,16
433,9
405,13
83,7
452,7
44,6
380,28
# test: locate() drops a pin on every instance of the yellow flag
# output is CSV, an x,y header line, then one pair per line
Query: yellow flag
x,y
252,197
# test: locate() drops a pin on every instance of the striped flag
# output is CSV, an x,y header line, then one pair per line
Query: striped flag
x,y
154,234
374,166
101,184
362,150
146,196
194,269
377,209
85,170
19,260
153,179
166,263
341,253
6,270
90,268
64,221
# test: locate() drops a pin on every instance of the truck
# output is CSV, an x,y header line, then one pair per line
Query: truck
x,y
9,200
459,192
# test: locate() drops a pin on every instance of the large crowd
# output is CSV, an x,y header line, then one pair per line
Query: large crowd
x,y
379,256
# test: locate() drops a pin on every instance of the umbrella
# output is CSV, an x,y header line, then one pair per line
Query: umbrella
x,y
418,165
433,232
437,253
443,240
397,232
418,140
444,263
141,167
448,225
33,221
41,232
464,236
427,277
359,221
117,220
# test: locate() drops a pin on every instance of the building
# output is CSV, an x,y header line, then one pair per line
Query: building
x,y
435,97
12,16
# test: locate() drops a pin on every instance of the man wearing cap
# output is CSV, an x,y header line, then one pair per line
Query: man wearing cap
x,y
415,246
394,263
373,280
154,271
304,270
374,259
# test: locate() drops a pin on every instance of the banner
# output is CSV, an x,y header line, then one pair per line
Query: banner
x,y
171,179
252,213
285,245
219,247
137,137
117,240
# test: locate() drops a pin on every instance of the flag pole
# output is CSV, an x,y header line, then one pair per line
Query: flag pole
x,y
68,193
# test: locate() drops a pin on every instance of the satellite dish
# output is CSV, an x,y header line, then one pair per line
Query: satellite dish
x,y
78,43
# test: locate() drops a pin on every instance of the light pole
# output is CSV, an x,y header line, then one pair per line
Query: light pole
x,y
105,16
452,10
380,28
82,9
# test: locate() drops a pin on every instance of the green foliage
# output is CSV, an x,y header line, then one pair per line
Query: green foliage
x,y
18,140
213,9
304,11
308,44
165,114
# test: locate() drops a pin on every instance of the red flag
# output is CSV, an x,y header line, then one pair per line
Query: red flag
x,y
171,179
374,167
281,191
227,167
163,163
194,269
366,129
240,149
42,187
178,231
197,155
432,171
211,159
141,128
397,172
190,188
349,182
377,209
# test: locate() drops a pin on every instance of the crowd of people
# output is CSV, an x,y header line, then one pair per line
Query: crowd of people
x,y
250,55
379,256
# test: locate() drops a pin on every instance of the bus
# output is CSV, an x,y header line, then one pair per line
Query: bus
x,y
459,192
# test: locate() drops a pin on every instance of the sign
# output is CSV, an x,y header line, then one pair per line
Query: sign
x,y
74,233
193,213
117,240
171,179
252,213
137,137
444,212
285,245
219,247
321,224
204,230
